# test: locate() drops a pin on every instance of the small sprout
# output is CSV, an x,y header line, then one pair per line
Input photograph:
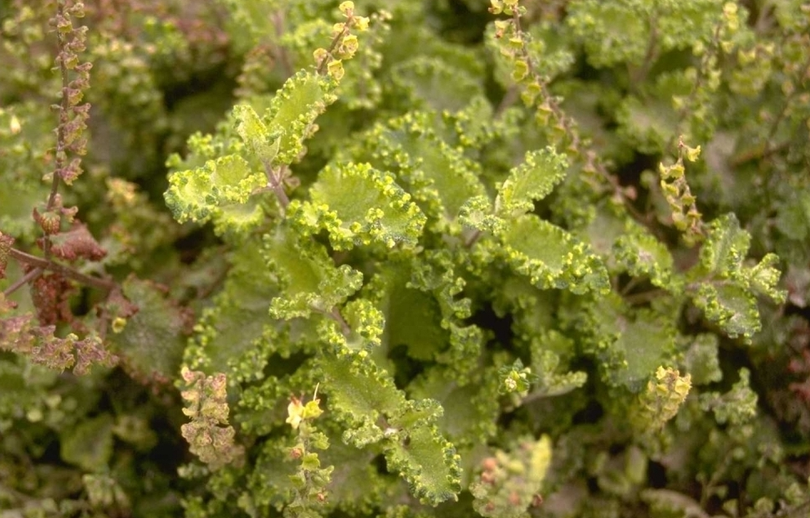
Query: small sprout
x,y
118,324
521,70
335,69
295,412
347,8
298,412
361,23
320,55
692,153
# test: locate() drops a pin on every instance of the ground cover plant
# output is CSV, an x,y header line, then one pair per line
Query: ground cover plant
x,y
501,258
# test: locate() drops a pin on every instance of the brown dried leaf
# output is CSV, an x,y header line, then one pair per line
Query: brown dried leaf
x,y
76,243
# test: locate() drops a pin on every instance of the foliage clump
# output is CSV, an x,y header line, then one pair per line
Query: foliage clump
x,y
541,259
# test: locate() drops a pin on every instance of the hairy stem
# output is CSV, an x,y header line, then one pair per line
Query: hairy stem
x,y
66,271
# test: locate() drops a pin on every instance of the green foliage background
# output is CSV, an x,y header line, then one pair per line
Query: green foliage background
x,y
408,259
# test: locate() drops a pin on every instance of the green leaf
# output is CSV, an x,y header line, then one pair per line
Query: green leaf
x,y
645,344
726,247
438,175
550,352
412,317
532,180
152,341
552,258
470,411
309,280
90,444
434,83
358,205
205,192
262,142
702,361
643,255
731,307
428,463
737,406
360,393
725,288
365,397
290,118
237,323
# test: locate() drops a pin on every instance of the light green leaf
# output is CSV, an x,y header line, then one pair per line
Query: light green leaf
x,y
309,280
358,205
202,193
552,257
293,111
643,255
645,344
261,141
532,180
731,307
428,463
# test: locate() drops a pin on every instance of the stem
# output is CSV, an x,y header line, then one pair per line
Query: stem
x,y
335,41
508,100
344,326
65,271
274,181
279,51
576,143
30,276
474,237
64,110
639,75
758,153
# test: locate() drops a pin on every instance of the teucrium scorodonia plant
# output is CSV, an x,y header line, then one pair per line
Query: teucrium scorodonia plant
x,y
431,258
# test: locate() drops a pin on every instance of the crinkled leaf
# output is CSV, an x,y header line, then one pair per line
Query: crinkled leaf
x,y
358,205
152,341
263,143
365,397
550,352
726,247
726,288
737,406
201,193
552,257
233,327
532,180
361,393
436,83
645,344
731,307
438,175
702,361
293,111
428,462
309,279
643,255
